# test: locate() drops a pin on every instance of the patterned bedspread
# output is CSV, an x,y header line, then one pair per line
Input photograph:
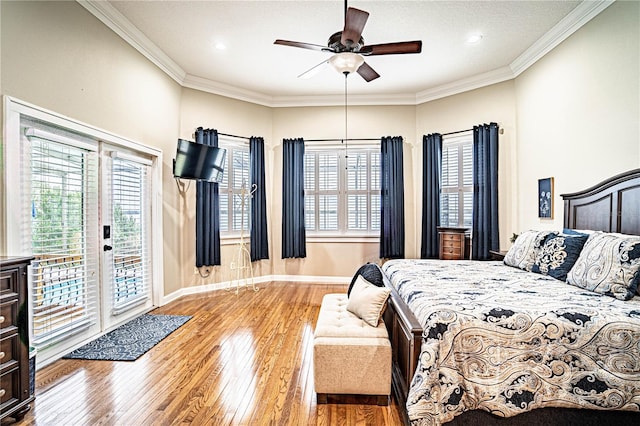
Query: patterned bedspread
x,y
506,341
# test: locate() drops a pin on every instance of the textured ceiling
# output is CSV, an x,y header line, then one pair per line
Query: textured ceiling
x,y
184,33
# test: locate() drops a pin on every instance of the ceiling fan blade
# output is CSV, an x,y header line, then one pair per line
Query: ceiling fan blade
x,y
354,23
367,72
313,70
392,48
303,45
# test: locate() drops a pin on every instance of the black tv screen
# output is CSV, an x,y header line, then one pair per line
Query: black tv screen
x,y
198,161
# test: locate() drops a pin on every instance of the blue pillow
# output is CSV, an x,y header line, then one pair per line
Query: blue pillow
x,y
569,231
558,255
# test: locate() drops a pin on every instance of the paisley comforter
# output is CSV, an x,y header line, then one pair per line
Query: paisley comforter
x,y
506,341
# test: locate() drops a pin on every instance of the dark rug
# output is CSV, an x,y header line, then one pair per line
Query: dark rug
x,y
131,340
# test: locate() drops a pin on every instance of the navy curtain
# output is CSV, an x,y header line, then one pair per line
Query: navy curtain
x,y
431,171
392,198
259,247
207,211
484,234
293,232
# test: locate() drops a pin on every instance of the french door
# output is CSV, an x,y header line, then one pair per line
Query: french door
x,y
84,208
126,233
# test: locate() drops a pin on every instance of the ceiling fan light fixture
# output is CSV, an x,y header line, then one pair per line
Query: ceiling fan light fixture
x,y
346,62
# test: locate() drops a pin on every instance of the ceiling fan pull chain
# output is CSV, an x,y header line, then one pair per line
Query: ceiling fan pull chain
x,y
346,135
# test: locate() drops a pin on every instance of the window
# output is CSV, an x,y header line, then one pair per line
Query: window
x,y
456,194
342,191
233,219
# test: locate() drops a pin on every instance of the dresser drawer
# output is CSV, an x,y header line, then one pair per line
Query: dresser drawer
x,y
9,388
450,253
455,243
8,317
9,279
9,352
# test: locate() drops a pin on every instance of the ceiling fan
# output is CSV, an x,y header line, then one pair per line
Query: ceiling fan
x,y
349,48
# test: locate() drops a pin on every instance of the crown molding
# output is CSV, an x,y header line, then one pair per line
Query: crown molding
x,y
117,22
568,25
474,82
338,100
210,86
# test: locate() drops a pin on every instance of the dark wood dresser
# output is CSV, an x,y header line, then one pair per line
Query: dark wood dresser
x,y
15,394
455,243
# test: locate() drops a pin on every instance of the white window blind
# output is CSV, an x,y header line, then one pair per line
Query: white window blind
x,y
130,237
342,191
62,187
456,197
236,175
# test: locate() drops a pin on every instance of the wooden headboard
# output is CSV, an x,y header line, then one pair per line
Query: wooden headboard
x,y
610,206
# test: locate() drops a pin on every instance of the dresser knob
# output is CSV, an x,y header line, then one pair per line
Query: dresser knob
x,y
2,354
2,392
1,319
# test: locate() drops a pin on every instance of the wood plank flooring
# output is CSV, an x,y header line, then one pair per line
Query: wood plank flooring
x,y
241,360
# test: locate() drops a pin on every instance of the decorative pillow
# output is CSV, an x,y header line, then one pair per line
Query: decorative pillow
x,y
609,264
367,301
558,254
522,253
371,273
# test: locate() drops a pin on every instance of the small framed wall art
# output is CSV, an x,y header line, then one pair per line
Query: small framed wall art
x,y
545,198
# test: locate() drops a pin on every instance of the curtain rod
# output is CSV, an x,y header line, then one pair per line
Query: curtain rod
x,y
341,140
454,133
233,136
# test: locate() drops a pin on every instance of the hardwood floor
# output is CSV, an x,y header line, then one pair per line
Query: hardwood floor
x,y
241,360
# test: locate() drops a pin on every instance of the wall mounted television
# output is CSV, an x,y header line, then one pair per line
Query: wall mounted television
x,y
198,161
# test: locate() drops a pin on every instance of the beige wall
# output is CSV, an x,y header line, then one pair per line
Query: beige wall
x,y
460,112
58,56
578,112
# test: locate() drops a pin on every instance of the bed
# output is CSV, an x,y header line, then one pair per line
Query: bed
x,y
477,343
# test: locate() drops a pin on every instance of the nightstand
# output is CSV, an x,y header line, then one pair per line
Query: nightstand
x,y
454,243
497,254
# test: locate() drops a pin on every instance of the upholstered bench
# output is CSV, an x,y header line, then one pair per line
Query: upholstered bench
x,y
349,355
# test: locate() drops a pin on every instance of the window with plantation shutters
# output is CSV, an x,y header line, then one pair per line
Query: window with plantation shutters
x,y
456,189
62,183
130,199
236,175
342,190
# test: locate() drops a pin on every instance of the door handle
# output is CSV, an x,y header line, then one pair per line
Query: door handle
x,y
107,247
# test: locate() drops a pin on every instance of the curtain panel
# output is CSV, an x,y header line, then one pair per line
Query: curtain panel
x,y
293,230
484,233
207,211
431,172
259,247
392,198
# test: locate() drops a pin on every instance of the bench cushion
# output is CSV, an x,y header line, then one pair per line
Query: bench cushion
x,y
335,321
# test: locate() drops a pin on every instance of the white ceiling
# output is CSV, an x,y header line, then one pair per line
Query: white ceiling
x,y
180,37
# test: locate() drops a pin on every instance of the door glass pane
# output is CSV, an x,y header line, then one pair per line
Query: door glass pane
x,y
130,249
63,193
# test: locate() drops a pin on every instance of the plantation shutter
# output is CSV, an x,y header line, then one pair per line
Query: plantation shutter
x,y
456,197
61,180
130,238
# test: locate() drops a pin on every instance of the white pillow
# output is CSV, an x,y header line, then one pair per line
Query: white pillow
x,y
608,264
524,250
367,301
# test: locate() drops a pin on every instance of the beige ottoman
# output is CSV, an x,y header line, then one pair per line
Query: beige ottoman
x,y
349,356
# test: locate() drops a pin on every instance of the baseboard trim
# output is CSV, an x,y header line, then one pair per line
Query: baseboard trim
x,y
225,285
